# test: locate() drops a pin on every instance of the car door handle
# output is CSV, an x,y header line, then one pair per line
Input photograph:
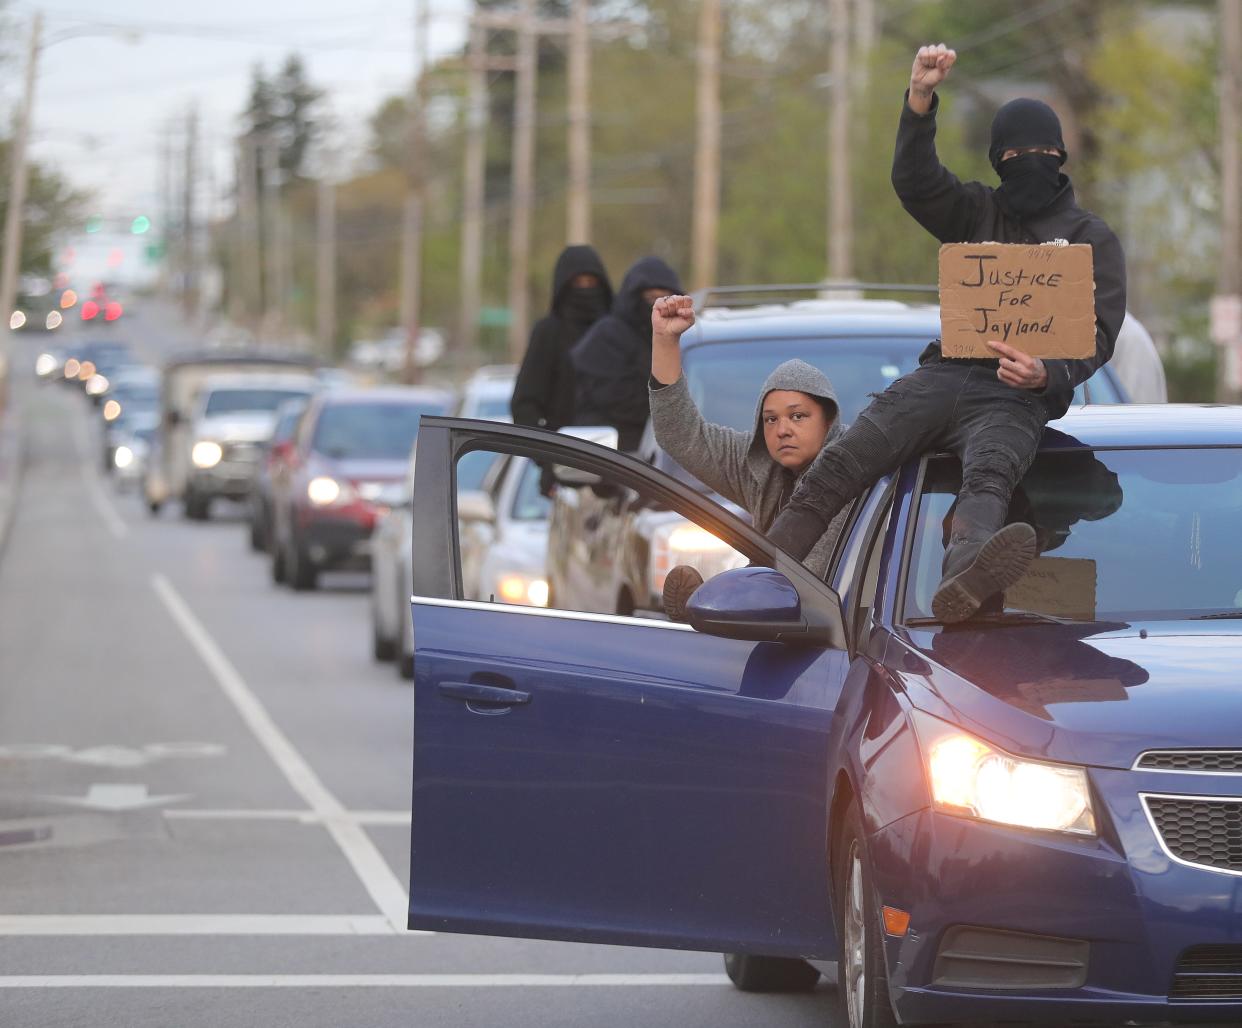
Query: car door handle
x,y
472,692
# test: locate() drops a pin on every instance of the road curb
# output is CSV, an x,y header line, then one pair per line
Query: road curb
x,y
12,465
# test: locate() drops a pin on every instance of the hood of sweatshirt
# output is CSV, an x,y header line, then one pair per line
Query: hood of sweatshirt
x,y
799,376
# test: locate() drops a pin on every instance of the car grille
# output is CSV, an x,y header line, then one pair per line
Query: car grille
x,y
240,452
1210,761
1203,831
1208,972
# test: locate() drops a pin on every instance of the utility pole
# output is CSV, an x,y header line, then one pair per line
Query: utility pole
x,y
14,221
325,264
1226,308
522,179
578,219
707,148
189,253
273,242
473,198
250,267
840,202
415,198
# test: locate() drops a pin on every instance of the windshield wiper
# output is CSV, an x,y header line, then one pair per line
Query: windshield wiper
x,y
1223,615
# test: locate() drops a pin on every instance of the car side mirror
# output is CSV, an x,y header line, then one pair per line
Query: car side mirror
x,y
576,478
748,603
475,506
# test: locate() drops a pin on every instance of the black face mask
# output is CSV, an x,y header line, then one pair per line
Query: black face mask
x,y
585,305
1029,182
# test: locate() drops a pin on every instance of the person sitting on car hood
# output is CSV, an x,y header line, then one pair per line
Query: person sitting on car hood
x,y
612,361
796,414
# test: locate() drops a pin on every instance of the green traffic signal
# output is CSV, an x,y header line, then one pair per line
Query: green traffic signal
x,y
140,225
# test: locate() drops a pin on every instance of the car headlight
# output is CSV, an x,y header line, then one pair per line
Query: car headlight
x,y
46,364
206,454
385,494
123,457
972,778
530,591
111,410
97,385
323,491
683,542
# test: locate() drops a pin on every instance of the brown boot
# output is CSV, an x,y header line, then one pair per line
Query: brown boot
x,y
679,586
1000,562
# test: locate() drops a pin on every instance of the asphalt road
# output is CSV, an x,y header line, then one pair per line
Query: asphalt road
x,y
204,793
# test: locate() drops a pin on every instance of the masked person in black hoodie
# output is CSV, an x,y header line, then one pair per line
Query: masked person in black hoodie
x,y
990,412
613,360
543,396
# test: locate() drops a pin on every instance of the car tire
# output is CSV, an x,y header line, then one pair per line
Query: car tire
x,y
195,507
383,648
280,574
300,570
862,979
769,974
258,538
153,507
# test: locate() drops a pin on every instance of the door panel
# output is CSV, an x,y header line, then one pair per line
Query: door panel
x,y
658,787
598,778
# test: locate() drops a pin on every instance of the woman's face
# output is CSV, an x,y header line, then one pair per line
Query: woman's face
x,y
794,427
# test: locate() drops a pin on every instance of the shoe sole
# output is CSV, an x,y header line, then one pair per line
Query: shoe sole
x,y
1002,560
677,594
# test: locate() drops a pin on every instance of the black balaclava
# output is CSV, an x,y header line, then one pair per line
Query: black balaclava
x,y
583,305
1030,181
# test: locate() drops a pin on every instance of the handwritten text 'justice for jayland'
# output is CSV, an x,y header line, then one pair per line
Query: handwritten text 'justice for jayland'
x,y
1006,319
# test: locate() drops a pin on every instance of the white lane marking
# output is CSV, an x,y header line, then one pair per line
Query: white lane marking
x,y
397,818
193,924
370,867
107,513
116,796
352,981
112,755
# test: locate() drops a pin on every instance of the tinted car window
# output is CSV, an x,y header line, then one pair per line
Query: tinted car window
x,y
380,431
725,378
233,401
1123,534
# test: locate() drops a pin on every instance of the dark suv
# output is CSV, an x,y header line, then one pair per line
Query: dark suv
x,y
861,345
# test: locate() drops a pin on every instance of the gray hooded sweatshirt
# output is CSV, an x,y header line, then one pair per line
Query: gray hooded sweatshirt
x,y
737,464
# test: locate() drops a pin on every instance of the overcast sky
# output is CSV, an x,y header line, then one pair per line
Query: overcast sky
x,y
105,101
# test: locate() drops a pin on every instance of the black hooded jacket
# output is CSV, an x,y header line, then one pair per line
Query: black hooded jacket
x,y
612,361
957,212
543,395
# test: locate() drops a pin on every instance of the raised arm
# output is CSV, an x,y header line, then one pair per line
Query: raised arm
x,y
715,454
932,194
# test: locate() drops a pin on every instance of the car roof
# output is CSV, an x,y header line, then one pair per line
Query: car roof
x,y
1146,425
815,318
276,380
386,394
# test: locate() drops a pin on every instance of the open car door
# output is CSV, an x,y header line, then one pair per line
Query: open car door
x,y
598,778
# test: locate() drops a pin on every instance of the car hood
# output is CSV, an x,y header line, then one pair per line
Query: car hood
x,y
358,469
241,427
1097,693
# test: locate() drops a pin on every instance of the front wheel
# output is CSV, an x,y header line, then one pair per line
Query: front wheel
x,y
862,982
302,573
769,974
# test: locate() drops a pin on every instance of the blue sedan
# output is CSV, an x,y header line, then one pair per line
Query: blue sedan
x,y
1032,816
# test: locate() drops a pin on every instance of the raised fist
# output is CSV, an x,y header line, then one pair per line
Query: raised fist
x,y
672,315
931,67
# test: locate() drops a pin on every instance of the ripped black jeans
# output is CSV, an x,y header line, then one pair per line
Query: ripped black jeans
x,y
959,406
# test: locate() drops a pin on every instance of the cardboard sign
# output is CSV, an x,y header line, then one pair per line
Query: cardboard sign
x,y
1060,586
1039,299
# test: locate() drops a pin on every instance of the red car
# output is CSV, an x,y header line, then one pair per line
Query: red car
x,y
347,463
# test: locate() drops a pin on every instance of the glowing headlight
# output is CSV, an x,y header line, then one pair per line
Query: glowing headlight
x,y
971,778
322,491
517,588
54,320
206,454
17,319
683,542
96,385
123,457
112,410
45,365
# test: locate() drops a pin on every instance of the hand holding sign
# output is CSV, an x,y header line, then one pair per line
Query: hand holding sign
x,y
1018,369
1037,299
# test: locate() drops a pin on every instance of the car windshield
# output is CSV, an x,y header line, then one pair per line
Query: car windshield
x,y
1123,535
529,504
236,401
138,395
376,431
724,378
